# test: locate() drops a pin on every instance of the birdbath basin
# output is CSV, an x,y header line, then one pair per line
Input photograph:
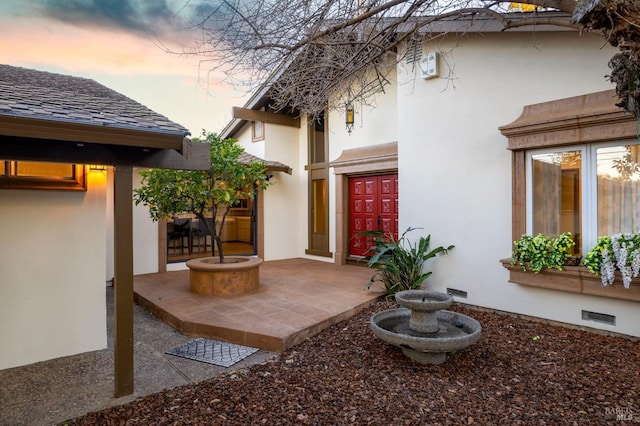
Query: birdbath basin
x,y
423,329
423,305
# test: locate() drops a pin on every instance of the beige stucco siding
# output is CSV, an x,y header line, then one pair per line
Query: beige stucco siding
x,y
284,221
53,268
455,170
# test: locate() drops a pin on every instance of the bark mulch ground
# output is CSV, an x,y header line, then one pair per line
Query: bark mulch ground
x,y
520,372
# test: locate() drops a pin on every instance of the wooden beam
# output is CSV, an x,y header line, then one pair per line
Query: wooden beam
x,y
108,135
265,117
123,281
162,245
195,156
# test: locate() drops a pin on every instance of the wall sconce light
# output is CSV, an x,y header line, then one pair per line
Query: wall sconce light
x,y
349,117
97,168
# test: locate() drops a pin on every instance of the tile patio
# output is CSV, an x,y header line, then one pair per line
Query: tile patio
x,y
297,298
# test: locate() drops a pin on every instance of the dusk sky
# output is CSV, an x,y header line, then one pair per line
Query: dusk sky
x,y
117,43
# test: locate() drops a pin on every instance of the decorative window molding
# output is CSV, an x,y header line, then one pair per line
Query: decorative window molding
x,y
565,122
42,176
572,279
257,131
571,121
579,120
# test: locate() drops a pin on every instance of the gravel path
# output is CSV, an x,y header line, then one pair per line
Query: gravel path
x,y
520,372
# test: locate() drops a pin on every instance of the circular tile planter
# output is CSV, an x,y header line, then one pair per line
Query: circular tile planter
x,y
238,275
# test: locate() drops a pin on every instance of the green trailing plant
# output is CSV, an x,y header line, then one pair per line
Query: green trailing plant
x,y
619,252
535,253
204,193
399,264
593,259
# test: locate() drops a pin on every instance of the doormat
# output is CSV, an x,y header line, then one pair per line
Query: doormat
x,y
212,352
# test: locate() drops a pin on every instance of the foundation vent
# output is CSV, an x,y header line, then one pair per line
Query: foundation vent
x,y
598,317
457,293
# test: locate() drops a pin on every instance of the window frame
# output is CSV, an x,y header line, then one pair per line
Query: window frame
x,y
78,182
584,171
586,119
589,186
257,131
318,169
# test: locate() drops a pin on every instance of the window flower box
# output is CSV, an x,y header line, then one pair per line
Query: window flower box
x,y
573,279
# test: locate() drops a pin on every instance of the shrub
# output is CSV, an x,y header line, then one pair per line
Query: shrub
x,y
399,264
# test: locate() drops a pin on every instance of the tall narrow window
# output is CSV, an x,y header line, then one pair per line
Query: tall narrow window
x,y
317,142
318,175
319,203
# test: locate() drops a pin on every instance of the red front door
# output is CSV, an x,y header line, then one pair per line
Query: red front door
x,y
373,205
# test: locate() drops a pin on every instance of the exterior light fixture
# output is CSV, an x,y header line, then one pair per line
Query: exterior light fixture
x,y
349,117
97,168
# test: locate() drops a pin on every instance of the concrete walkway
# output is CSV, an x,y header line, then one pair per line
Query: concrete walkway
x,y
53,391
50,392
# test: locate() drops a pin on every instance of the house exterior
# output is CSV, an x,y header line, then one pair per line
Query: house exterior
x,y
457,145
68,146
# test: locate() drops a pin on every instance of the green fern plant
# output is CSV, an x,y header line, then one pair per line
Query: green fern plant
x,y
399,263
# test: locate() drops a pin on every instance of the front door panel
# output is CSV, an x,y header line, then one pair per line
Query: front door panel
x,y
373,205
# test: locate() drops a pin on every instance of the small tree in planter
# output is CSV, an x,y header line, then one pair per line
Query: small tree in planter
x,y
170,192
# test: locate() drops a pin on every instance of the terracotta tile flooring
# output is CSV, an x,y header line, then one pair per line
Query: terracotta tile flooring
x,y
297,298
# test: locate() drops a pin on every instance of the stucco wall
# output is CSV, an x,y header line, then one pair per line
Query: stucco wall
x,y
455,171
145,236
283,222
52,273
284,234
374,124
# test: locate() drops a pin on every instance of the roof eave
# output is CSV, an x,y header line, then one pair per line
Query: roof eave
x,y
256,101
487,24
283,168
71,131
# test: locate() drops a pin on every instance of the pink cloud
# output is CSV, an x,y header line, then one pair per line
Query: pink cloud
x,y
77,49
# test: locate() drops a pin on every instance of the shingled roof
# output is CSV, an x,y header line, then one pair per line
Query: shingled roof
x,y
274,166
49,96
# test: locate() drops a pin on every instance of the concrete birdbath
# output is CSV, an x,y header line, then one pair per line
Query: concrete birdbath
x,y
423,329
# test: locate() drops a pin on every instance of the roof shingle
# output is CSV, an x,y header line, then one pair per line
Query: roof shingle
x,y
49,96
275,166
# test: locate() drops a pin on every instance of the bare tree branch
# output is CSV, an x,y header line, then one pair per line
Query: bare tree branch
x,y
311,50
